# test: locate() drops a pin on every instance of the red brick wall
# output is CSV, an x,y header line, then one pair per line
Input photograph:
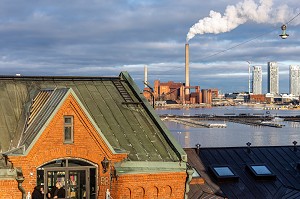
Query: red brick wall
x,y
150,186
9,189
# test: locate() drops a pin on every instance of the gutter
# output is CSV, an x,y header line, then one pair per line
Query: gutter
x,y
20,179
189,171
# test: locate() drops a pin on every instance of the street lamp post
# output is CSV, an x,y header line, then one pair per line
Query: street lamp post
x,y
249,71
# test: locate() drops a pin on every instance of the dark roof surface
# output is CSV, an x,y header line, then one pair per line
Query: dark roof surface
x,y
114,103
281,160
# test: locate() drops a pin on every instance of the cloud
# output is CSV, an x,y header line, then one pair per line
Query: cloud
x,y
73,37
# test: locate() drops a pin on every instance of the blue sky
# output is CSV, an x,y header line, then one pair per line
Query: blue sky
x,y
103,38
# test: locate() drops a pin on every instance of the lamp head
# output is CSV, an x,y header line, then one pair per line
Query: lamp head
x,y
284,35
105,164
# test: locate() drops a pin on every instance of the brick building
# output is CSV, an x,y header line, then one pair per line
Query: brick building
x,y
94,134
258,98
176,92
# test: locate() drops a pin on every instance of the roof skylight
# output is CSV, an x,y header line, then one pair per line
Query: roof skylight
x,y
223,173
261,172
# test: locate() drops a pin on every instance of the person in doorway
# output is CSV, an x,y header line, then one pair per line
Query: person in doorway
x,y
60,191
38,192
51,192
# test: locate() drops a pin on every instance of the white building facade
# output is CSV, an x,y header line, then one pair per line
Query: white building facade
x,y
257,80
273,78
295,80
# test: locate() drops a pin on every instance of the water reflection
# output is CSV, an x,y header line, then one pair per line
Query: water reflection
x,y
235,134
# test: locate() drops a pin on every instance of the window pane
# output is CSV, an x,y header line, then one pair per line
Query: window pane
x,y
68,120
223,171
261,170
68,134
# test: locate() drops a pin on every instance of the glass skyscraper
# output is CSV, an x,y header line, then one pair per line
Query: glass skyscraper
x,y
273,78
257,80
295,80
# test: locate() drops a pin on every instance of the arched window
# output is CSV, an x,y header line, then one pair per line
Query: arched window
x,y
77,177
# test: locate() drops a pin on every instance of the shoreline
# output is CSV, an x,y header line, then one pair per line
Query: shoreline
x,y
262,106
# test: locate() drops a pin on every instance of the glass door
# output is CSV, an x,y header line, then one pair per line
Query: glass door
x,y
52,178
77,184
76,179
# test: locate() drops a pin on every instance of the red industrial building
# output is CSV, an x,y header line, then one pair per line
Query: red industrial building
x,y
175,91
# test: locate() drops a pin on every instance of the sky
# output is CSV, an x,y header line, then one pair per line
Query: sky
x,y
103,38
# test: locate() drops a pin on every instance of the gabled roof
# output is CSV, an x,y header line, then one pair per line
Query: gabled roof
x,y
115,104
281,160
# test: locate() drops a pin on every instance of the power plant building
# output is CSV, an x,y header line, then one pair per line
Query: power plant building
x,y
273,78
175,91
295,80
257,80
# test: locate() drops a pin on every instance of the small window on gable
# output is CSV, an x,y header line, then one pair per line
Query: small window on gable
x,y
68,129
223,173
261,172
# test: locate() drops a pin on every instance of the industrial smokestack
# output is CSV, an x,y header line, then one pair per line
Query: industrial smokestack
x,y
187,70
145,75
235,15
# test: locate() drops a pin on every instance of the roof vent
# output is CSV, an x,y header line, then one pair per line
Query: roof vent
x,y
295,145
248,147
198,148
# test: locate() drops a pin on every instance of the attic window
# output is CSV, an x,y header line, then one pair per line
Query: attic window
x,y
261,172
68,129
223,173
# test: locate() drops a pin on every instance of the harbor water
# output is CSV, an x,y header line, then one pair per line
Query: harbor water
x,y
235,134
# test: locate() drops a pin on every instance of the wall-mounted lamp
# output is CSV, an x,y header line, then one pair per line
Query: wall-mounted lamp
x,y
105,164
283,35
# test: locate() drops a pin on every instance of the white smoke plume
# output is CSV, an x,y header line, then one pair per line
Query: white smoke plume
x,y
238,14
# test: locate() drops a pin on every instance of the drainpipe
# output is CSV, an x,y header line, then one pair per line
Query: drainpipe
x,y
189,177
20,179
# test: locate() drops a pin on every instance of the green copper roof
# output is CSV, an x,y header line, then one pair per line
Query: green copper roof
x,y
115,104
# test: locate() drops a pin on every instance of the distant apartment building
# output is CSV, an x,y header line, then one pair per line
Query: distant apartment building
x,y
295,80
273,78
257,80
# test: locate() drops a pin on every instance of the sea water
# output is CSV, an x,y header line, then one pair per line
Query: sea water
x,y
235,134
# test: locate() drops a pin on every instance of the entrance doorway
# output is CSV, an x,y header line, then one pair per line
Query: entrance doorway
x,y
78,178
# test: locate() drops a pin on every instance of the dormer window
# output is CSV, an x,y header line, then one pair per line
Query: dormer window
x,y
68,129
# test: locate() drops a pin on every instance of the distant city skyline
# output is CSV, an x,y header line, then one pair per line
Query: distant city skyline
x,y
102,38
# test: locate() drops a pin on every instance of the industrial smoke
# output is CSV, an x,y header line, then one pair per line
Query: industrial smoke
x,y
238,14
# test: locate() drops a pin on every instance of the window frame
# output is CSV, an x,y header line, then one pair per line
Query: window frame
x,y
261,177
66,125
224,178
